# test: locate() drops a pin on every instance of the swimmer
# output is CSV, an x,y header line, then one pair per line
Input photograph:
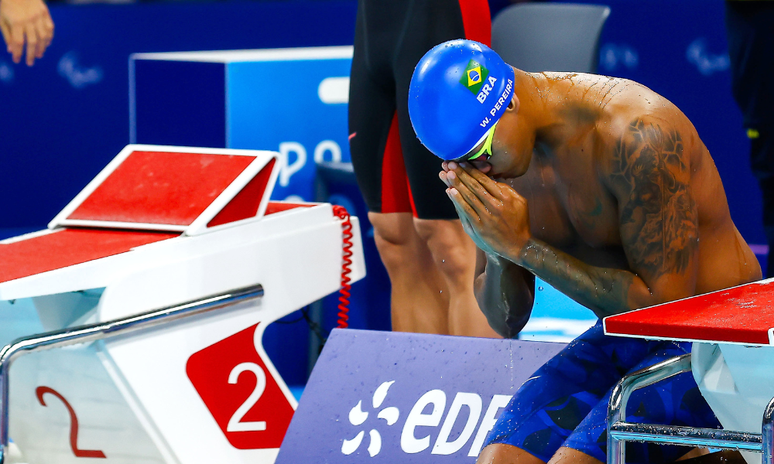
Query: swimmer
x,y
602,188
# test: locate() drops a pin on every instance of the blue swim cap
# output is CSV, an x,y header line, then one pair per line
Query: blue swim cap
x,y
458,91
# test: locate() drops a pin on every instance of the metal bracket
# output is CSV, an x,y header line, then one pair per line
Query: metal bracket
x,y
619,431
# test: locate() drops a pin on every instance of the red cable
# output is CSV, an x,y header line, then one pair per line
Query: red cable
x,y
346,226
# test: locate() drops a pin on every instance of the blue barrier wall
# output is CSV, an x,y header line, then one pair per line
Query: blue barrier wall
x,y
408,398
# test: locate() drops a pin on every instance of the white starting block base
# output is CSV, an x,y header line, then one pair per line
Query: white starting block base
x,y
43,432
129,404
189,391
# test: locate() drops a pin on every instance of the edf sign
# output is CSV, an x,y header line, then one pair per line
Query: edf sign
x,y
293,101
387,397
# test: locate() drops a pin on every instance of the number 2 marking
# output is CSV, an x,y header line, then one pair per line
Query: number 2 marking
x,y
235,424
79,453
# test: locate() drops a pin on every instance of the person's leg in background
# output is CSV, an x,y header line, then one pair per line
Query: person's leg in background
x,y
436,222
418,300
419,296
454,255
429,258
751,51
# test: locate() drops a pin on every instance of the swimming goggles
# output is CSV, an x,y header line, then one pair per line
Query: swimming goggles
x,y
486,150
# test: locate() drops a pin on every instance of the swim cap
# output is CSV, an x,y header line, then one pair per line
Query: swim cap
x,y
458,91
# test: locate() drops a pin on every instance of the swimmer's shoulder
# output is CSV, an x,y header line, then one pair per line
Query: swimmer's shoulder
x,y
629,132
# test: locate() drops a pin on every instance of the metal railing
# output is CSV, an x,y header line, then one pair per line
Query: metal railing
x,y
619,431
104,330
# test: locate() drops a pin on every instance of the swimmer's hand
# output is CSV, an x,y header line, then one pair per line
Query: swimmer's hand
x,y
492,213
26,22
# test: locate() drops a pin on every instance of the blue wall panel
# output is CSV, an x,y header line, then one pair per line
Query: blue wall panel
x,y
187,108
274,105
62,120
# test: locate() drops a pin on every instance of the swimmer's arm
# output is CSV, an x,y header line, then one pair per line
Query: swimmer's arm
x,y
605,291
496,217
505,293
503,290
658,218
658,221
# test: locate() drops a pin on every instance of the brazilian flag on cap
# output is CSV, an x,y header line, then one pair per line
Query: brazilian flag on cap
x,y
474,77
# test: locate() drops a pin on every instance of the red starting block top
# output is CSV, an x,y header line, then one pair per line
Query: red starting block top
x,y
743,314
67,247
49,250
176,189
146,194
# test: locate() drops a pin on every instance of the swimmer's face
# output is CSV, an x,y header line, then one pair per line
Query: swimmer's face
x,y
503,153
480,154
482,151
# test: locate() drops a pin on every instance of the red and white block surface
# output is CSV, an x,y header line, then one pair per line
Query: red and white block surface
x,y
161,226
742,314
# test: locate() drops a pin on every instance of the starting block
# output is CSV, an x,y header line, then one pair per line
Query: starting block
x,y
162,227
732,360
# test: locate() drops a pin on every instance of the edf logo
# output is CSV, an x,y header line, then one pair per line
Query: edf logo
x,y
427,414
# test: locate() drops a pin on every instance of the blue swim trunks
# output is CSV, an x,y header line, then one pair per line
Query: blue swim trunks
x,y
565,402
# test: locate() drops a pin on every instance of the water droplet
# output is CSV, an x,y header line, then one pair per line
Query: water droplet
x,y
443,260
540,289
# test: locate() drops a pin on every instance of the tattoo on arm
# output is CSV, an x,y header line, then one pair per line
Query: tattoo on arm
x,y
659,217
658,220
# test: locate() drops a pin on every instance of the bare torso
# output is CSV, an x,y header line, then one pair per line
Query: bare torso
x,y
581,155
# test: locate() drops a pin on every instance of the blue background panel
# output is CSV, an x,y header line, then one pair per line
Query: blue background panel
x,y
66,117
274,105
183,103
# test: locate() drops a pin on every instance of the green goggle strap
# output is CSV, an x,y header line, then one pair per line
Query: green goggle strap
x,y
487,148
